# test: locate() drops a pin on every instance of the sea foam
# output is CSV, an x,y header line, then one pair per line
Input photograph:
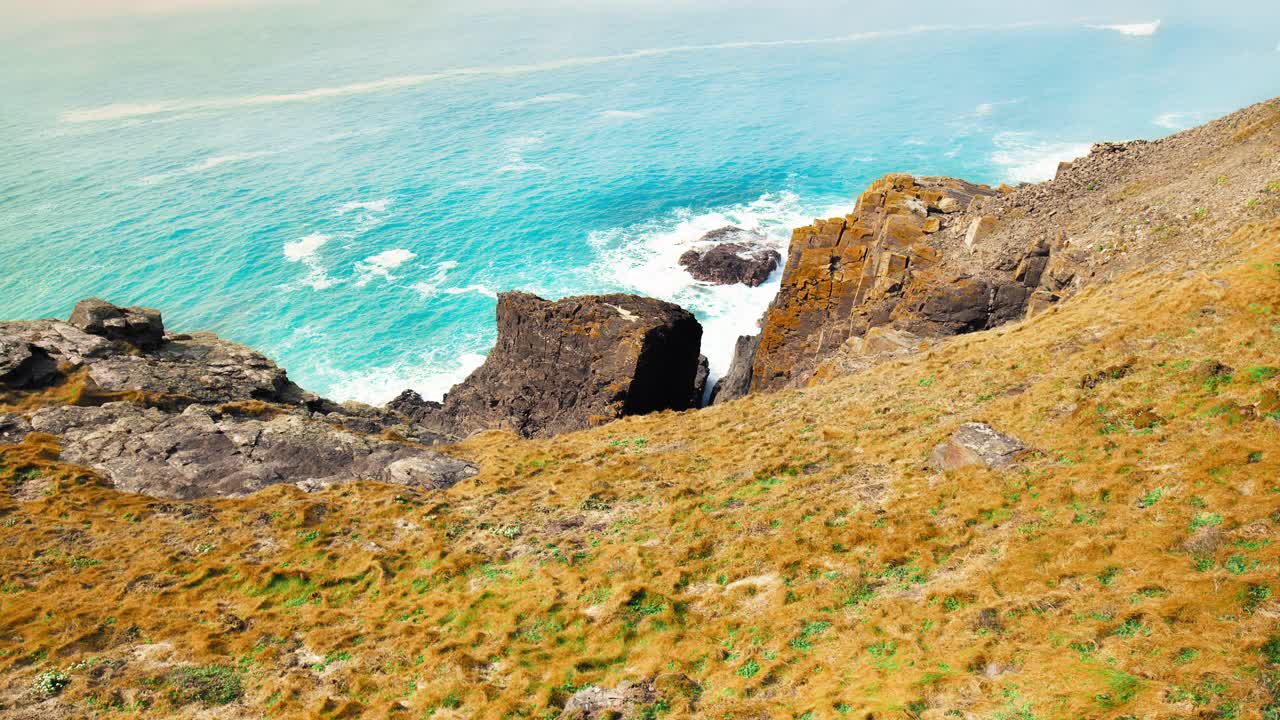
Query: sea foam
x,y
538,100
305,248
1028,159
644,259
368,205
381,265
207,164
1146,29
431,375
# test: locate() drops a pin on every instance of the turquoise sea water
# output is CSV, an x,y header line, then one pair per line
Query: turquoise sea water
x,y
347,189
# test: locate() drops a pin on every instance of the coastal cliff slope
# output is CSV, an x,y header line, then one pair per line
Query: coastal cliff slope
x,y
1071,514
923,259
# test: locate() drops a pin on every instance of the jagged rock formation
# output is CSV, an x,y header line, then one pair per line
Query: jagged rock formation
x,y
737,256
187,416
876,267
573,363
737,381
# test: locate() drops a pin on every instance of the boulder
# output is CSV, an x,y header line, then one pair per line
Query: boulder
x,y
203,452
745,260
976,444
598,703
573,363
23,365
411,405
138,326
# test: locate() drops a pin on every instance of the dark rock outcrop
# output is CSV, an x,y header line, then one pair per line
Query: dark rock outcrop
x,y
738,257
200,367
736,382
700,382
573,363
204,452
137,326
23,365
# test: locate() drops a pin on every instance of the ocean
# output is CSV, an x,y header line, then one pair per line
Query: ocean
x,y
347,189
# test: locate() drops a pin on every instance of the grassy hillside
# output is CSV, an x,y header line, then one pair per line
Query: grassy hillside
x,y
785,556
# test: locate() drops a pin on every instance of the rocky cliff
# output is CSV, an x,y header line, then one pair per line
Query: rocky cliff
x,y
192,415
574,363
923,259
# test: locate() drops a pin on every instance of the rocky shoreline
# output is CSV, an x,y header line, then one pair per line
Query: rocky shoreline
x,y
919,260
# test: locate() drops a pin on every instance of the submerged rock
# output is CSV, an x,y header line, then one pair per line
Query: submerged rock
x,y
573,363
739,257
203,452
976,444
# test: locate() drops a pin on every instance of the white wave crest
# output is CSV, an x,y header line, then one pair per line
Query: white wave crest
x,y
304,251
368,205
207,164
431,376
300,250
644,258
626,114
538,100
1146,29
1027,159
434,286
116,111
381,265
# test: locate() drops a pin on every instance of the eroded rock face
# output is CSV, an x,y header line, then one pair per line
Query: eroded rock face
x,y
736,382
739,256
573,363
202,452
911,257
23,365
137,326
976,444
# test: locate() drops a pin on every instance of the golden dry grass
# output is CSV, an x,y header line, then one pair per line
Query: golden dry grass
x,y
785,556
